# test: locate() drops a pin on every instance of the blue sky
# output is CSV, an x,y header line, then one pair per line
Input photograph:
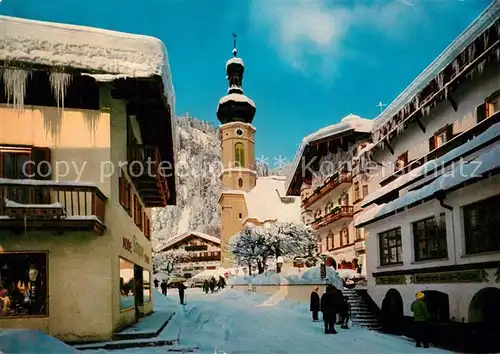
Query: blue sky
x,y
308,62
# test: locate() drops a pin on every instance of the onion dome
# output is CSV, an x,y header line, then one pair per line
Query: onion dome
x,y
235,106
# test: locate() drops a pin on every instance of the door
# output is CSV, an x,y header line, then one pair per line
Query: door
x,y
138,292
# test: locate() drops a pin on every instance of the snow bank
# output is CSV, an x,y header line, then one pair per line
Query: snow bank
x,y
463,172
85,48
308,276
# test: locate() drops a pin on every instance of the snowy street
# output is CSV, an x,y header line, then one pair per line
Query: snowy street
x,y
240,322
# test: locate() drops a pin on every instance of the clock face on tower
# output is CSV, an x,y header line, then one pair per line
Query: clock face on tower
x,y
239,132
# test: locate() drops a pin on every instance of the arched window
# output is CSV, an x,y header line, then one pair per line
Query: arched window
x,y
240,182
329,242
239,155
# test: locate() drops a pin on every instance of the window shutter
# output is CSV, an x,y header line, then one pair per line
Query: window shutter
x,y
41,158
449,132
481,112
432,143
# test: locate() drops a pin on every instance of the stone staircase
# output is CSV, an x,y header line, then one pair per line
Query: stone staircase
x,y
361,314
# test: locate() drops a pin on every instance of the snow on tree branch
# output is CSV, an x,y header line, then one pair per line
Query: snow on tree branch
x,y
161,260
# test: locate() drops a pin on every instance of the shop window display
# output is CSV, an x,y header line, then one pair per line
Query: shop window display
x,y
146,275
127,284
23,284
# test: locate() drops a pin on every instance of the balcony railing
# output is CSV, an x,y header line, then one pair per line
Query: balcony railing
x,y
49,204
344,211
148,174
330,184
205,258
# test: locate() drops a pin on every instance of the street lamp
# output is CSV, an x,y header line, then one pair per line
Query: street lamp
x,y
279,263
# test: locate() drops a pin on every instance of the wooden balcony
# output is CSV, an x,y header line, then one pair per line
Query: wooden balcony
x,y
27,205
215,257
148,175
345,211
330,184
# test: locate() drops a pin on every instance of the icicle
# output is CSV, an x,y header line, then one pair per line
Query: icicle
x,y
416,102
497,52
498,28
456,66
446,92
486,39
59,83
14,82
481,65
471,52
440,80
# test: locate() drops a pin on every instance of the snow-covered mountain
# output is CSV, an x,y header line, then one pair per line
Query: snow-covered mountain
x,y
198,184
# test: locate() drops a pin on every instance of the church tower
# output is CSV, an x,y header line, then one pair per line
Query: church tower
x,y
235,112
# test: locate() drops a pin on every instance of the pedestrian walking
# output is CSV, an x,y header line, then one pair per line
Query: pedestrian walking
x,y
163,286
206,286
156,283
328,309
420,317
345,313
314,304
181,288
213,283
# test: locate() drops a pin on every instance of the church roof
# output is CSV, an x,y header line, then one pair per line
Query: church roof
x,y
182,236
267,201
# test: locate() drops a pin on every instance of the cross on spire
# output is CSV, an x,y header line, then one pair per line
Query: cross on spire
x,y
381,106
235,51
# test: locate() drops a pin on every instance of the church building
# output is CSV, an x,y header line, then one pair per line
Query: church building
x,y
245,198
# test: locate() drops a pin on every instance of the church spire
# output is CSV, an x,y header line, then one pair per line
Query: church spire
x,y
235,106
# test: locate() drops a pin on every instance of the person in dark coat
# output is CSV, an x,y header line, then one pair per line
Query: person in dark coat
x,y
206,286
156,283
163,286
213,284
181,287
420,318
328,309
222,283
314,304
345,313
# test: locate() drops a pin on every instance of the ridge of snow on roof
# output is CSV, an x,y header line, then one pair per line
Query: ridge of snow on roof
x,y
238,97
489,134
479,25
264,204
349,122
489,160
238,123
85,48
235,60
180,237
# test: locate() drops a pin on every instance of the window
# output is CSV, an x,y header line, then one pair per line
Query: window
x,y
239,155
402,161
23,284
147,227
492,104
319,245
359,234
137,212
124,193
240,182
429,237
391,251
344,236
441,137
127,284
329,242
365,190
481,225
357,195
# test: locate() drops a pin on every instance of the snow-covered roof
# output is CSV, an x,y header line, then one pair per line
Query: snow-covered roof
x,y
478,26
264,203
179,237
237,124
237,97
463,172
350,122
235,60
491,133
85,48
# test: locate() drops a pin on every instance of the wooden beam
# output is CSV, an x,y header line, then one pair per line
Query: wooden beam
x,y
452,102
